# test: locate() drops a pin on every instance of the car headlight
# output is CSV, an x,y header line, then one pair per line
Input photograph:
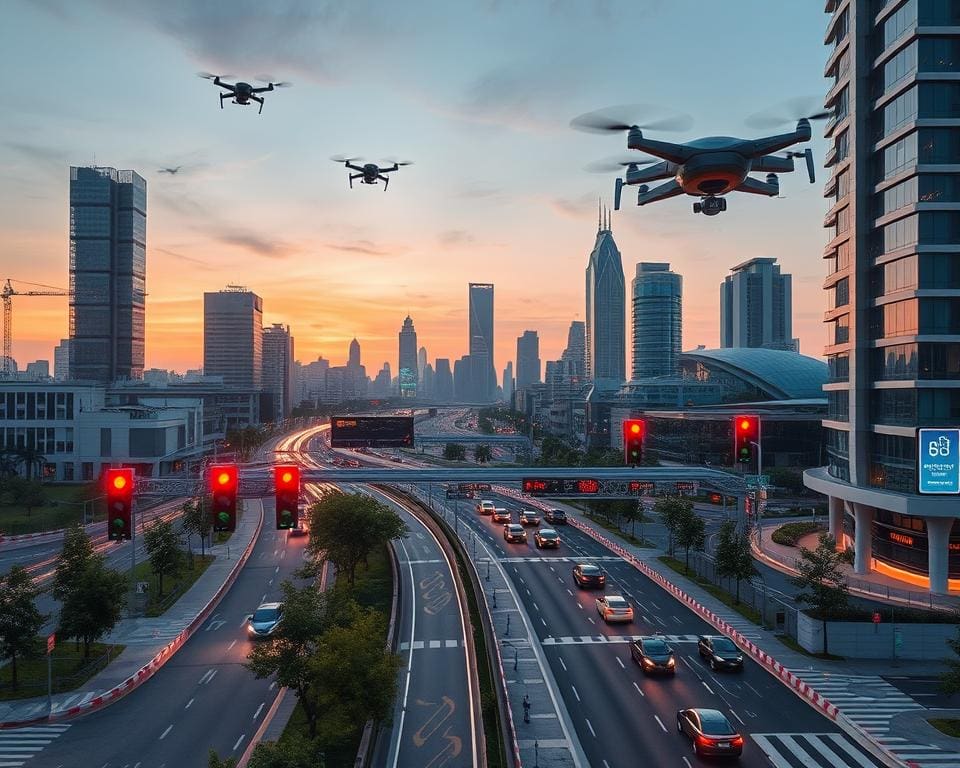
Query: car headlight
x,y
647,663
670,662
717,658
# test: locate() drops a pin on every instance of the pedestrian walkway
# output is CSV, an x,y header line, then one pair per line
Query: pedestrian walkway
x,y
145,638
19,746
785,750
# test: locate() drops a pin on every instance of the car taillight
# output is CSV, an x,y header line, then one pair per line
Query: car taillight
x,y
737,741
704,740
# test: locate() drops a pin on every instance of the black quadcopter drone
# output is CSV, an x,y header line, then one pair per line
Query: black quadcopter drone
x,y
242,93
706,168
370,173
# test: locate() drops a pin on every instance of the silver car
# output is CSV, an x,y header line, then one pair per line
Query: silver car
x,y
265,620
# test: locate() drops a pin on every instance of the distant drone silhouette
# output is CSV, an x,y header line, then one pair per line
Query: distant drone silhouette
x,y
242,93
370,173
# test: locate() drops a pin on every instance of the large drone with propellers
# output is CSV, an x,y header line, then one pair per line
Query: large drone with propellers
x,y
370,173
243,93
706,168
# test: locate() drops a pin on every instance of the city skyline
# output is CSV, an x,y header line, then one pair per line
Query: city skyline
x,y
521,220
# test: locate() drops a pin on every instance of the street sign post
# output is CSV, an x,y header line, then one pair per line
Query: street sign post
x,y
51,644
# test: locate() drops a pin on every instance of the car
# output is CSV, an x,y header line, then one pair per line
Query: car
x,y
265,620
614,608
398,459
501,515
653,655
353,463
300,529
529,517
555,516
710,732
485,507
514,533
587,575
546,537
720,651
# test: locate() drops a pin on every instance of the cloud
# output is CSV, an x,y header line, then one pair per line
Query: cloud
x,y
38,153
365,247
250,241
204,265
580,207
455,237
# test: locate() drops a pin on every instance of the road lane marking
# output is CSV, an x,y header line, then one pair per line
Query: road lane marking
x,y
277,569
620,662
737,716
259,710
562,664
687,762
707,686
536,606
164,734
592,732
575,692
237,743
660,723
638,689
188,704
570,593
233,643
542,621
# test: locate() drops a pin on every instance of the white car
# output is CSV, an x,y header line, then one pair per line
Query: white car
x,y
485,507
614,608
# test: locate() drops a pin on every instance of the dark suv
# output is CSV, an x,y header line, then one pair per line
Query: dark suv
x,y
587,575
653,655
555,516
720,651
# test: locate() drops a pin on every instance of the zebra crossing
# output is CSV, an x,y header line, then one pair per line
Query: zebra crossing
x,y
572,559
871,702
796,750
19,745
419,645
607,639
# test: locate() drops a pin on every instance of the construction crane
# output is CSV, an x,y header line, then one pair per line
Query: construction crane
x,y
7,294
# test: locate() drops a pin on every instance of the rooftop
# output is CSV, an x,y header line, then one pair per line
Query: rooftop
x,y
784,375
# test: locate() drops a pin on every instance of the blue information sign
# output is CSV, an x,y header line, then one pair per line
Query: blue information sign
x,y
939,460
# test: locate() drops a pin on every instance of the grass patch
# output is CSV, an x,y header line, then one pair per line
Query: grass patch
x,y
793,645
70,669
610,527
64,506
721,594
173,587
789,534
949,727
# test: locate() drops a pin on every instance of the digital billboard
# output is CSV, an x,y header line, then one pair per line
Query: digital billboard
x,y
371,431
938,461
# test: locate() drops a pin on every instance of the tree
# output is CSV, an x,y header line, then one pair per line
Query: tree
x,y
786,478
75,557
163,549
292,752
454,452
670,509
821,582
346,528
734,560
196,520
9,461
30,458
950,678
482,454
215,761
20,621
691,532
27,493
633,513
94,603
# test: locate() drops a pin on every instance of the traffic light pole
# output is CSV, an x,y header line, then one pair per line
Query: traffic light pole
x,y
133,553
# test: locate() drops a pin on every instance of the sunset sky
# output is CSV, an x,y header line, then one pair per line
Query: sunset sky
x,y
479,94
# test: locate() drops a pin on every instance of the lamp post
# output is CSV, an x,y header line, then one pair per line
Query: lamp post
x,y
759,457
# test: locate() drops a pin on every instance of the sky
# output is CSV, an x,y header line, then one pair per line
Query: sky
x,y
479,94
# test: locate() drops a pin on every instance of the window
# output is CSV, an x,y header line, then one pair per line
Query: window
x,y
838,405
896,362
939,361
939,100
939,188
939,145
841,29
940,270
838,452
900,111
899,318
843,221
897,234
894,276
938,407
841,293
842,146
898,157
843,185
940,12
899,23
940,316
839,366
898,196
892,462
901,66
939,54
940,227
896,407
839,330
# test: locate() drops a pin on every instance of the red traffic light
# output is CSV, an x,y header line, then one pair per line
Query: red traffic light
x,y
224,486
633,434
286,477
286,482
745,424
119,483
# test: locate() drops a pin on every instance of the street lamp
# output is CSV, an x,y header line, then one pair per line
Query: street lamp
x,y
759,457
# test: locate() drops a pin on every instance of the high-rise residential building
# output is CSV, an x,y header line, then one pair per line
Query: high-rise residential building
x,y
508,381
421,365
442,380
278,372
528,359
313,377
233,337
893,315
657,300
407,367
39,370
756,307
606,348
427,387
481,340
576,349
61,360
108,273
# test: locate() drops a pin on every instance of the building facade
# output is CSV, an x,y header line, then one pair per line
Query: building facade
x,y
442,380
233,337
606,348
528,359
278,372
893,274
507,386
408,370
108,274
61,360
481,340
657,316
756,307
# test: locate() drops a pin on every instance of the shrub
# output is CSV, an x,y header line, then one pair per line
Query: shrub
x,y
789,534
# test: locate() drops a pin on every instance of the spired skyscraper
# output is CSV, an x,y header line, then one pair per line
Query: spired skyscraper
x,y
407,374
108,274
606,347
482,369
657,309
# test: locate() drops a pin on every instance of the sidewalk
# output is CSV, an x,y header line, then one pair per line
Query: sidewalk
x,y
150,642
873,586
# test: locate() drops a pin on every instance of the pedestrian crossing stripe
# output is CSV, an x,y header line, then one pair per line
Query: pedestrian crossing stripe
x,y
571,559
786,750
419,645
19,745
600,639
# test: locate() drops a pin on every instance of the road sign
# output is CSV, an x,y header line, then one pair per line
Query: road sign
x,y
142,587
474,486
687,487
938,452
371,431
639,486
51,643
897,638
565,486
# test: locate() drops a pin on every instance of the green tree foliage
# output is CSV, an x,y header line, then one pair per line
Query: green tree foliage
x,y
950,679
215,761
734,560
346,528
163,550
30,458
454,452
244,441
25,493
482,454
790,480
20,621
602,457
291,753
670,510
821,582
75,558
93,604
691,532
554,452
197,520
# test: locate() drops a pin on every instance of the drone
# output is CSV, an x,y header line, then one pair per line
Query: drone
x,y
707,168
369,173
242,93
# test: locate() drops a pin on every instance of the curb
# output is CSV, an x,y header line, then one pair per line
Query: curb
x,y
166,653
774,667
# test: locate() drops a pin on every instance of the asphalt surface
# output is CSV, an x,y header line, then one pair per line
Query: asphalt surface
x,y
624,718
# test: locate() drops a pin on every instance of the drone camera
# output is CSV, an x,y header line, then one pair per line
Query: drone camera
x,y
710,206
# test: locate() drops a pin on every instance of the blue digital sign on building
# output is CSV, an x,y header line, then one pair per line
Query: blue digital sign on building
x,y
938,453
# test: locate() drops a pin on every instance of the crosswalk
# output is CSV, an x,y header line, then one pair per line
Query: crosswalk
x,y
871,702
607,639
574,559
19,745
800,750
419,645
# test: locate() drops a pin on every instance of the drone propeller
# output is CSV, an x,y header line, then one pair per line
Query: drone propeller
x,y
273,81
394,161
210,76
626,116
615,163
790,111
343,159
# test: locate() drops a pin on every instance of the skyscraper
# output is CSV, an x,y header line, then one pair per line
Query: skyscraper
x,y
508,381
443,380
278,372
421,365
528,359
233,337
108,273
407,373
61,360
481,340
892,313
353,356
756,307
606,351
657,300
576,350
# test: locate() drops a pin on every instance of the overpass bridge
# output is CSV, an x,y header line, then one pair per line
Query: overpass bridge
x,y
472,438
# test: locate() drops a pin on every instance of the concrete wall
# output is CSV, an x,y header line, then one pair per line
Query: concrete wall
x,y
864,640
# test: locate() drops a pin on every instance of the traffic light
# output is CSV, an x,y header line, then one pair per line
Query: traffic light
x,y
223,487
746,431
119,504
633,432
286,485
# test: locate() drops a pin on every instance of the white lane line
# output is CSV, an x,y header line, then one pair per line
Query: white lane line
x,y
164,734
406,691
259,710
536,606
244,620
676,619
638,689
277,569
606,764
620,662
592,732
188,704
553,569
707,686
590,619
687,762
579,606
570,593
273,685
233,643
237,742
737,716
206,676
575,692
686,662
660,722
270,583
264,598
542,621
562,664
